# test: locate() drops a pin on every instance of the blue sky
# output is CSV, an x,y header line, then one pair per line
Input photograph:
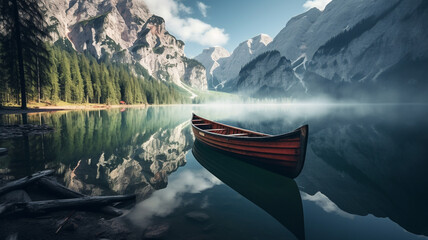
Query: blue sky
x,y
204,23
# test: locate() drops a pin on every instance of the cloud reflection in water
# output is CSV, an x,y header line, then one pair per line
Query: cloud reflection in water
x,y
165,201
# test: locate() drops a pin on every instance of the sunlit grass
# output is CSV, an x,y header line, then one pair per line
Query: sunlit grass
x,y
42,104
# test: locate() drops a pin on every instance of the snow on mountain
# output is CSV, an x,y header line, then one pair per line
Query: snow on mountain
x,y
369,47
246,51
365,49
209,58
290,41
305,33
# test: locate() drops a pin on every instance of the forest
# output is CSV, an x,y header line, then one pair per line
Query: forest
x,y
34,67
74,77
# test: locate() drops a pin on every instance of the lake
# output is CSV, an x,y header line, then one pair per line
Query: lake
x,y
364,175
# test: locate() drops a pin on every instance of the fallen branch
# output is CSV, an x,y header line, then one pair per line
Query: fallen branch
x,y
42,207
64,222
64,192
23,182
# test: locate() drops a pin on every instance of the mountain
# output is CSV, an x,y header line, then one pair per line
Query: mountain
x,y
291,41
361,50
209,58
269,65
228,67
126,31
305,33
386,51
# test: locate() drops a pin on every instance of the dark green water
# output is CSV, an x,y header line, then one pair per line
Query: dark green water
x,y
365,175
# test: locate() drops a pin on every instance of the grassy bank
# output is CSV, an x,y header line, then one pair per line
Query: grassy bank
x,y
60,106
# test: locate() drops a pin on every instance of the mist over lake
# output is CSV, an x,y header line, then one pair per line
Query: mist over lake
x,y
364,168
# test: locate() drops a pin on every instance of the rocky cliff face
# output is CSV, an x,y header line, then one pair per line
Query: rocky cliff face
x,y
292,41
227,68
364,50
127,31
269,75
209,58
386,50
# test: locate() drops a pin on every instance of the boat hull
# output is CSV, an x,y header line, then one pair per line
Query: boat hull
x,y
280,153
279,196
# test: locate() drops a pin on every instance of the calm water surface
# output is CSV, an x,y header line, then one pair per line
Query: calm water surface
x,y
364,176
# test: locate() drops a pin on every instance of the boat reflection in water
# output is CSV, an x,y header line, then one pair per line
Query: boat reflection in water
x,y
279,196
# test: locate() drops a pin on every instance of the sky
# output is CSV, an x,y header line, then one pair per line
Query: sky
x,y
206,23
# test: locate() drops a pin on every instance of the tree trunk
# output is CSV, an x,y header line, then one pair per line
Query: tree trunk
x,y
24,118
43,207
20,55
21,183
38,80
62,191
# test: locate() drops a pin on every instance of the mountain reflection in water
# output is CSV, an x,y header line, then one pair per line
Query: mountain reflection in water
x,y
104,152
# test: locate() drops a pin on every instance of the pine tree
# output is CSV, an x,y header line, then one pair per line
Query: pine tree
x,y
24,30
65,77
95,77
54,90
86,75
76,77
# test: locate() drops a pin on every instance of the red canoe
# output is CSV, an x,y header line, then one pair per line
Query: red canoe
x,y
283,153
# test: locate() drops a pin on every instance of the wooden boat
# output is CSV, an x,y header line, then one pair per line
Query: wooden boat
x,y
283,153
277,195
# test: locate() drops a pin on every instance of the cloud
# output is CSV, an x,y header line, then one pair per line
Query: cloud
x,y
184,8
184,27
320,4
203,8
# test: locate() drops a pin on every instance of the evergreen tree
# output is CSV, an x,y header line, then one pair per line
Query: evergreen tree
x,y
23,32
54,90
51,90
65,77
95,77
75,77
86,76
77,81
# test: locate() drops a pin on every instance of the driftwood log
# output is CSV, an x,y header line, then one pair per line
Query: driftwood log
x,y
74,200
23,182
64,192
43,207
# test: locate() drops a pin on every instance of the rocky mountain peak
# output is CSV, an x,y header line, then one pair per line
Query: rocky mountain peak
x,y
276,69
209,59
359,50
218,52
253,45
128,32
229,67
311,15
156,25
261,39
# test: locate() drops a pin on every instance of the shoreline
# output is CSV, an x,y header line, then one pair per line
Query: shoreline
x,y
18,110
